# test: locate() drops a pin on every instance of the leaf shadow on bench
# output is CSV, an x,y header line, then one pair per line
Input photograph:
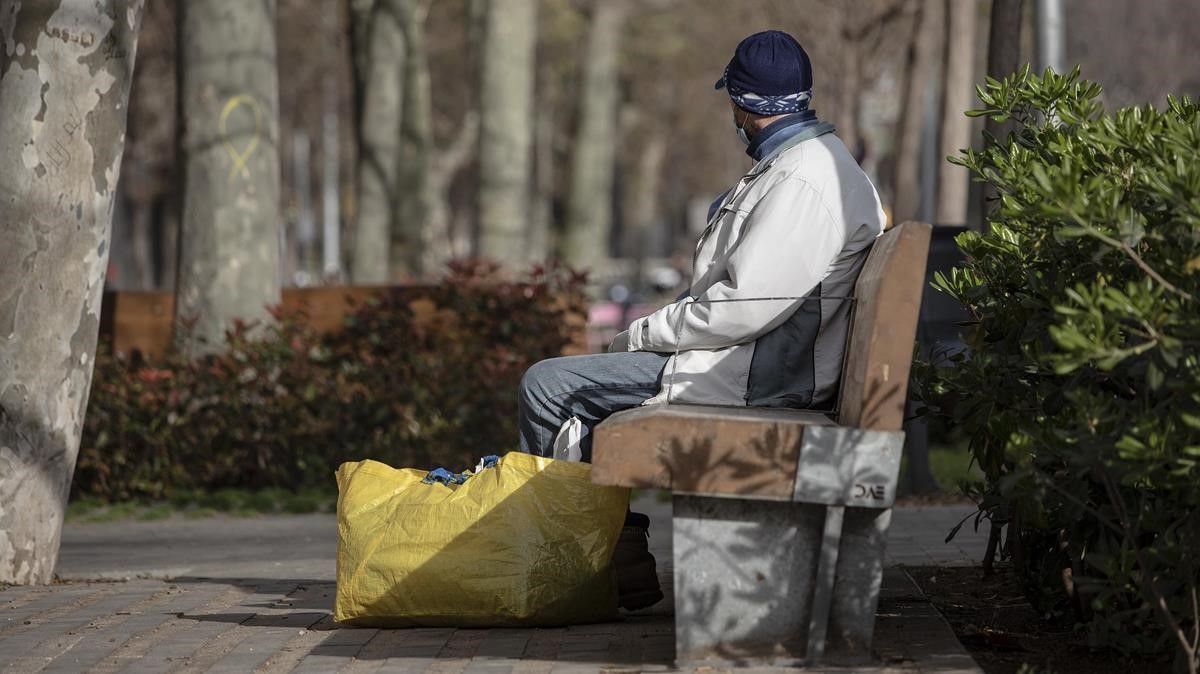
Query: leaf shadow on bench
x,y
698,465
879,403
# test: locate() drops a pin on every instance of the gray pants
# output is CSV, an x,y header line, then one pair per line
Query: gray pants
x,y
589,387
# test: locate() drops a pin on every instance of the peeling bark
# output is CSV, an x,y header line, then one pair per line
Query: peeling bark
x,y
65,71
229,248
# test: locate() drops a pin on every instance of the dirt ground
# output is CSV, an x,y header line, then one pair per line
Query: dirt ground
x,y
1003,632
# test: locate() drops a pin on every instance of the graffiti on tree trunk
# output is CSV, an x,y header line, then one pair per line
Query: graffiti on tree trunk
x,y
240,157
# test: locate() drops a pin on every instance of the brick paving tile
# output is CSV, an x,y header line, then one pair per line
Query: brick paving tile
x,y
225,631
155,627
372,656
415,652
526,666
49,604
918,537
100,642
36,642
177,651
337,648
504,666
405,665
55,638
13,597
278,644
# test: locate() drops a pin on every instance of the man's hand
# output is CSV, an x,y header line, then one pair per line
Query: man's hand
x,y
620,342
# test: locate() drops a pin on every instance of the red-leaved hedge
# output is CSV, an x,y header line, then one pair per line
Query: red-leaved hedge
x,y
411,382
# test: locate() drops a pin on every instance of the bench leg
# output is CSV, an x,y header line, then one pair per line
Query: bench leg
x,y
831,542
742,569
746,580
856,585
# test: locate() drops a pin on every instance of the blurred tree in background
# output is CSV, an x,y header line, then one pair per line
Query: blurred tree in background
x,y
506,95
377,36
229,154
590,130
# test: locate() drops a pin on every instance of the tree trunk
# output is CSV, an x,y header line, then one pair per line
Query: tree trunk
x,y
1004,54
957,86
850,84
644,207
301,256
141,239
589,201
439,242
331,191
65,71
379,63
410,235
167,215
542,212
1004,38
229,248
506,134
906,191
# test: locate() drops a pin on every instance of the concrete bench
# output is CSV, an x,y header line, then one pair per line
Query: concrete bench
x,y
781,516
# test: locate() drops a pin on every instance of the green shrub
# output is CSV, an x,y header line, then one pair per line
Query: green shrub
x,y
1080,392
408,381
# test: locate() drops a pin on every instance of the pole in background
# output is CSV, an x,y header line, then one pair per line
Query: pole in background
x,y
305,223
1051,42
331,249
930,160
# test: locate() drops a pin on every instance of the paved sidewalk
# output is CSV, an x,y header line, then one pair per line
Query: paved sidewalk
x,y
918,536
254,595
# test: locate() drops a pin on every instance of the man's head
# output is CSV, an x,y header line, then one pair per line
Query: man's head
x,y
769,76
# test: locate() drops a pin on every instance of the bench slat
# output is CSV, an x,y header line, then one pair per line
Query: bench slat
x,y
875,380
733,451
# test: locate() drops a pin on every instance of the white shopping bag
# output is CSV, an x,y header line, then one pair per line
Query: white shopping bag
x,y
566,443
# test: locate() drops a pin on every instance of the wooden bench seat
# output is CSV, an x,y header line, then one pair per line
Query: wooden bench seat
x,y
781,516
704,450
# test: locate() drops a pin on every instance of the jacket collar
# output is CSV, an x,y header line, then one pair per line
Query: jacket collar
x,y
806,132
778,132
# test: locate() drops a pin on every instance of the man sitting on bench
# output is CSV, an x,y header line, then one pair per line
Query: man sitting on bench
x,y
765,320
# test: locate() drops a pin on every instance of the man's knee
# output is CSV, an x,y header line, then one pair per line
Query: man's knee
x,y
539,379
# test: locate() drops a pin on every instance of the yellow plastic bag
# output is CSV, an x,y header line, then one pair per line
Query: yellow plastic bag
x,y
526,542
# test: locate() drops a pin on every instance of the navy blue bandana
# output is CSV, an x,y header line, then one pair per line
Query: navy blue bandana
x,y
765,105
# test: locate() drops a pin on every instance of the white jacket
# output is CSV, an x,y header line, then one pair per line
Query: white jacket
x,y
798,225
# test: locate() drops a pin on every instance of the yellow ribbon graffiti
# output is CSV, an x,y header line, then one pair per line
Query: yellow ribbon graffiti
x,y
240,156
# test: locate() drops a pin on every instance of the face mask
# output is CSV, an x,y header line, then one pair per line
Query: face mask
x,y
741,129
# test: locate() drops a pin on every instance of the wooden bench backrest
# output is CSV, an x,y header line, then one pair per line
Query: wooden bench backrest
x,y
882,336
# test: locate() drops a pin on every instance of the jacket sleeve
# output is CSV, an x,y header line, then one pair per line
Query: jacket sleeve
x,y
787,243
